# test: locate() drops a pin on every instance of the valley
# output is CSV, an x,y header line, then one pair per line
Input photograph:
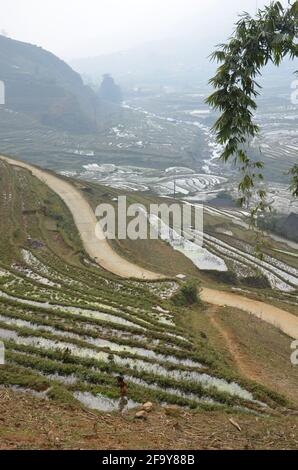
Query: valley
x,y
70,326
159,142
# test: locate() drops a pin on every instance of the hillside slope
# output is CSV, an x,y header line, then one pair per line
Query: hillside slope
x,y
40,84
70,328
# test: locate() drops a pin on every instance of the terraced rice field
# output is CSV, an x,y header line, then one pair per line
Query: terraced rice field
x,y
234,255
240,256
69,328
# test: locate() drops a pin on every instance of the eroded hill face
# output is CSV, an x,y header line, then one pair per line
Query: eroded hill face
x,y
70,329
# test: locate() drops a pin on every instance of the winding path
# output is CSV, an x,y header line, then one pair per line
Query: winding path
x,y
105,256
86,222
245,365
281,319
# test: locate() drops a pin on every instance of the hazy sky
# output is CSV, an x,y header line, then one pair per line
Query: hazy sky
x,y
82,28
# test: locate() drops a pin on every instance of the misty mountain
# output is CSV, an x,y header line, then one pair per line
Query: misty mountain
x,y
109,90
180,63
39,84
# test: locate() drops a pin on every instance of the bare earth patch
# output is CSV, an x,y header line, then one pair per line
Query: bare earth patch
x,y
32,423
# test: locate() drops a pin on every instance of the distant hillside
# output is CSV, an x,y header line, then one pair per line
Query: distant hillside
x,y
178,62
290,227
40,84
286,226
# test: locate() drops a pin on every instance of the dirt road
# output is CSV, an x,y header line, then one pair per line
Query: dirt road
x,y
283,320
85,220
